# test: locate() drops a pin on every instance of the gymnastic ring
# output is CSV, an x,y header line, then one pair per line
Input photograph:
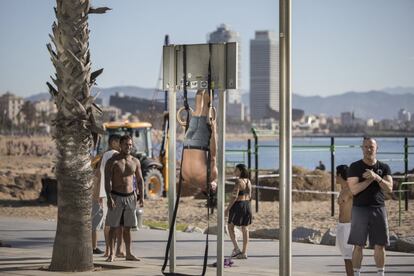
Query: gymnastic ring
x,y
181,121
211,111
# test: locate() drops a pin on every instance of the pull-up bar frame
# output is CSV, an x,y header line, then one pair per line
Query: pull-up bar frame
x,y
223,69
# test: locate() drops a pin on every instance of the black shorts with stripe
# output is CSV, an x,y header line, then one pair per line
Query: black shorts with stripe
x,y
369,222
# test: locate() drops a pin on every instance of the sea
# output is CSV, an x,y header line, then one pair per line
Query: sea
x,y
308,151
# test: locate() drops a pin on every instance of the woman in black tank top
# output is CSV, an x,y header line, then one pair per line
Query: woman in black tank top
x,y
239,210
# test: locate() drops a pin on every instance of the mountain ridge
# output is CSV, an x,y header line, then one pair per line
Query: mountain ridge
x,y
372,104
376,104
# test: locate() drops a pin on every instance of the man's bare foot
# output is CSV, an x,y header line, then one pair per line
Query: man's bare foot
x,y
120,255
131,258
110,258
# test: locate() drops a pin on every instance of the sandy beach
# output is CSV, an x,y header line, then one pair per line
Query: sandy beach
x,y
310,214
20,176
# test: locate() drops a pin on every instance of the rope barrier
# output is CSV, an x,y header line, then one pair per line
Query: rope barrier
x,y
276,175
317,176
293,190
302,191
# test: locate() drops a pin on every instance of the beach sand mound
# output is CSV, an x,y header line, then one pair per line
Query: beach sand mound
x,y
24,161
23,186
27,146
302,180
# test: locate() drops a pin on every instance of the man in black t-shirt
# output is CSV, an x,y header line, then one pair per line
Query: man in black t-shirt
x,y
368,179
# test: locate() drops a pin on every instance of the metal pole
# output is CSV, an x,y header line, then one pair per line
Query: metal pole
x,y
172,155
399,204
166,43
256,165
249,156
285,139
221,148
406,169
333,172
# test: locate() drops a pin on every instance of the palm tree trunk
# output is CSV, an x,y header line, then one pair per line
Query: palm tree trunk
x,y
72,249
74,125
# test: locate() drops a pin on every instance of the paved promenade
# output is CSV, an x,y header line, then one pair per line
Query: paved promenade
x,y
32,242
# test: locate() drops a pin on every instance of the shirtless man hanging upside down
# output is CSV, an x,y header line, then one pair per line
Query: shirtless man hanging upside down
x,y
196,144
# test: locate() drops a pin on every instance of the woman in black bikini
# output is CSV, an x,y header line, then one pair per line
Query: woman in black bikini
x,y
239,210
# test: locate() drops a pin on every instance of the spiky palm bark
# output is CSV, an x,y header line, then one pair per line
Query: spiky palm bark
x,y
74,128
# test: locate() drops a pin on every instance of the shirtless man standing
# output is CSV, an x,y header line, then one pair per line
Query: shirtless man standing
x,y
122,198
344,224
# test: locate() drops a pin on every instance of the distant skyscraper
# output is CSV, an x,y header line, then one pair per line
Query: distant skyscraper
x,y
264,75
235,108
224,34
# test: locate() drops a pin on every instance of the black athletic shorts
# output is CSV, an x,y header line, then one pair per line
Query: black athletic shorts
x,y
369,222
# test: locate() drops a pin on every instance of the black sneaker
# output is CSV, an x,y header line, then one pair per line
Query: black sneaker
x,y
97,251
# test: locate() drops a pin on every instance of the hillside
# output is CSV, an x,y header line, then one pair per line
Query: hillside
x,y
372,104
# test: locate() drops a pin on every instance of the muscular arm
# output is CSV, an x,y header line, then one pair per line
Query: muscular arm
x,y
108,177
213,151
357,187
101,165
386,183
213,140
140,181
344,196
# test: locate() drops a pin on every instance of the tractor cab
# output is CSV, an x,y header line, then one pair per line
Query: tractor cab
x,y
140,132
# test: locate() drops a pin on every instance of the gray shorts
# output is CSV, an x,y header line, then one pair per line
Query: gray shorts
x,y
369,222
98,215
198,133
125,210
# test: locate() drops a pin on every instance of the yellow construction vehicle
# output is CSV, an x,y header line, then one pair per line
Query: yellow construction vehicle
x,y
154,171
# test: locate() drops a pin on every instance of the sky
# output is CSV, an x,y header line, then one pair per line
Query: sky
x,y
337,45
